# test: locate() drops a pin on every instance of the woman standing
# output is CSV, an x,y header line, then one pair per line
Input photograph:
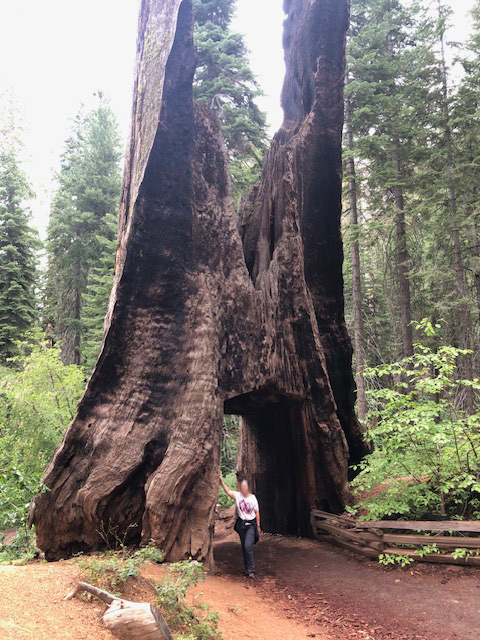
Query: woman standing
x,y
248,522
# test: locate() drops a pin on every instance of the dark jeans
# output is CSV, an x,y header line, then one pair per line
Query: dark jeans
x,y
247,533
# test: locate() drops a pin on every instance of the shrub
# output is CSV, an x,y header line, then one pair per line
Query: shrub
x,y
113,569
21,550
198,622
38,399
426,460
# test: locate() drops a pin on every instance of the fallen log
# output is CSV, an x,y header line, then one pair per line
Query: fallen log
x,y
125,619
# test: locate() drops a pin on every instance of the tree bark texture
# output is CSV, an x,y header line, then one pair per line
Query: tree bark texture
x,y
403,263
199,325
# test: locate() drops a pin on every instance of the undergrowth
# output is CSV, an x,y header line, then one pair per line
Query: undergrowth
x,y
189,620
426,458
113,569
22,550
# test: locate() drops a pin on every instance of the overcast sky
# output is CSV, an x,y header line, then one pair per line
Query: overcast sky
x,y
56,53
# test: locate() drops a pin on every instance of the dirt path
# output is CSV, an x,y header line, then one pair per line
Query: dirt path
x,y
246,612
32,605
304,590
351,598
32,608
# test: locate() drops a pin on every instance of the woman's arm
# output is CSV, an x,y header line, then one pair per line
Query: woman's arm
x,y
228,491
257,515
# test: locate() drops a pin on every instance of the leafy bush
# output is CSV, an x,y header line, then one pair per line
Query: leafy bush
x,y
38,398
395,559
426,461
196,621
21,550
113,569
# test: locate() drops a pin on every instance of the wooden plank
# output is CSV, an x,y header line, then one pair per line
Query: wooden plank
x,y
472,526
440,525
351,546
447,542
346,520
349,534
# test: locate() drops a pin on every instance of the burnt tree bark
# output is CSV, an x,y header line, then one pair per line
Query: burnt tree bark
x,y
199,325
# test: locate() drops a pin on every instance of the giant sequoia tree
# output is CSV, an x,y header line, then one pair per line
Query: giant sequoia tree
x,y
199,326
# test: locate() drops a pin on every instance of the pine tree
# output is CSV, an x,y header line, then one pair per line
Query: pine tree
x,y
18,245
224,80
463,306
80,227
358,330
466,128
97,293
392,86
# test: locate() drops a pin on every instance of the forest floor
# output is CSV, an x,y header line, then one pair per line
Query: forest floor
x,y
304,589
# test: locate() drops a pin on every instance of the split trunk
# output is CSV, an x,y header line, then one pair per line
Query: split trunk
x,y
206,318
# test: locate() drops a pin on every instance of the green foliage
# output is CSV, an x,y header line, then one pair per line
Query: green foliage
x,y
426,460
81,234
98,291
223,500
395,559
224,80
113,569
193,621
38,398
230,435
400,112
393,95
21,550
427,549
460,553
18,245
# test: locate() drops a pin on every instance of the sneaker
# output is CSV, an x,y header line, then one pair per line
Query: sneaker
x,y
251,575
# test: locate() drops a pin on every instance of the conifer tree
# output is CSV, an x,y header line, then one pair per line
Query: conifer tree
x,y
97,293
392,86
224,80
466,125
18,245
80,228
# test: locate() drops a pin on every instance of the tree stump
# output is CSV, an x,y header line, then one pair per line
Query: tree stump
x,y
206,318
128,620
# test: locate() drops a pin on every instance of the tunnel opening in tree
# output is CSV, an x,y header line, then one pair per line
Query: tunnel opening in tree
x,y
272,453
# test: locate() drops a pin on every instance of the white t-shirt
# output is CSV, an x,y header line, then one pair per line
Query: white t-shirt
x,y
247,507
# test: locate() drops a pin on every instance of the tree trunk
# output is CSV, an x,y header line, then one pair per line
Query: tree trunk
x,y
198,326
463,304
476,267
356,270
403,263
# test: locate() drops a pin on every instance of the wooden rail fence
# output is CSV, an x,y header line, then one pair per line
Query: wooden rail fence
x,y
410,539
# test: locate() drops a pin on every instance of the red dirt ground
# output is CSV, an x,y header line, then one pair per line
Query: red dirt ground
x,y
350,597
304,589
